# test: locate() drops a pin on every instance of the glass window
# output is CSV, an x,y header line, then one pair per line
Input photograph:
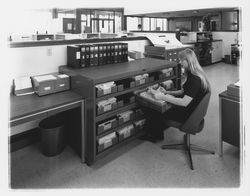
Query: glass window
x,y
153,24
118,22
145,22
132,23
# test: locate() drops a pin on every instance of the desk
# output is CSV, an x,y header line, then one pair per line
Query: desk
x,y
31,107
229,114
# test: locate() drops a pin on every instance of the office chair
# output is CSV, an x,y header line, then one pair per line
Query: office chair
x,y
194,124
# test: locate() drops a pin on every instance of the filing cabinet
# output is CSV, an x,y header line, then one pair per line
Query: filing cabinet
x,y
108,117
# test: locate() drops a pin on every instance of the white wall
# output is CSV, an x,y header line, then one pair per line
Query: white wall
x,y
228,38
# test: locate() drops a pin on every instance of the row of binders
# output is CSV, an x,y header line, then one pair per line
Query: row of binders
x,y
89,55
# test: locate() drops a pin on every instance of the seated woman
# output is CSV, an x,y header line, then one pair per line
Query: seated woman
x,y
184,100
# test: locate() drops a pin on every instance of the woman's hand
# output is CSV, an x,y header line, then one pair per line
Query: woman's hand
x,y
162,90
159,95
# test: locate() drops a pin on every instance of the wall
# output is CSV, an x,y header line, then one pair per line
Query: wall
x,y
228,38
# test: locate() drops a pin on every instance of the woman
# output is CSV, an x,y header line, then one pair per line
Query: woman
x,y
184,100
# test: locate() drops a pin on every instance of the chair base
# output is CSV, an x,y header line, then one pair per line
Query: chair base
x,y
188,147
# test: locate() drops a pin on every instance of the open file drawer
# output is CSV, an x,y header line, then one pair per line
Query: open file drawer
x,y
160,106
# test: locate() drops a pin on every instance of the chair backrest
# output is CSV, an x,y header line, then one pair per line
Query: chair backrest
x,y
192,124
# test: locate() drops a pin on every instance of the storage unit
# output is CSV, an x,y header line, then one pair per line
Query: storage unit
x,y
162,52
84,81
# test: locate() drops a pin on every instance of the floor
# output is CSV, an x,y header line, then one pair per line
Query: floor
x,y
140,164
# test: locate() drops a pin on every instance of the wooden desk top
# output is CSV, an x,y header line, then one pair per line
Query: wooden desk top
x,y
30,104
119,70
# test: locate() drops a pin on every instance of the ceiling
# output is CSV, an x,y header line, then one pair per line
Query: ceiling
x,y
186,13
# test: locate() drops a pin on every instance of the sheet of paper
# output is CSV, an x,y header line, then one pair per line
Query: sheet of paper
x,y
22,83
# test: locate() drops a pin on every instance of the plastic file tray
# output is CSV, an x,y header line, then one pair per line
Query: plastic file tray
x,y
122,136
123,119
166,75
107,144
106,126
150,103
101,92
107,108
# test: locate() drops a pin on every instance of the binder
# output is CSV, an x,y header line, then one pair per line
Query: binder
x,y
104,54
120,52
83,51
125,52
87,55
95,55
108,54
91,55
112,53
74,56
116,53
100,54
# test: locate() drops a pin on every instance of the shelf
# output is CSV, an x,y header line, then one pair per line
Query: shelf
x,y
117,145
114,112
120,126
134,88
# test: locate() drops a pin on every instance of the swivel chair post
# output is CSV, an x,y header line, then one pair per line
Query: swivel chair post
x,y
188,147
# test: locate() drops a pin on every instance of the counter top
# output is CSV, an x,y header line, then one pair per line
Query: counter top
x,y
71,41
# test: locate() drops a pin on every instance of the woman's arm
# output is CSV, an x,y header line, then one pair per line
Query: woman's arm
x,y
174,100
174,92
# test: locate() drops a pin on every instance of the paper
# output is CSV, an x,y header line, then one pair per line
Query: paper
x,y
44,78
22,83
168,41
23,86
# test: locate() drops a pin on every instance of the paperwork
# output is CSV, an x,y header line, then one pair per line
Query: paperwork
x,y
23,86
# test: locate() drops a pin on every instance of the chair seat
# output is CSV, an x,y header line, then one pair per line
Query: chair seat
x,y
172,123
179,125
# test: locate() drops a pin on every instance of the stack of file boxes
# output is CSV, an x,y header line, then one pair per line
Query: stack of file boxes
x,y
89,55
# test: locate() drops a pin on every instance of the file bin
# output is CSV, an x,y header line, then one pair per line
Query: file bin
x,y
125,116
106,105
106,142
62,82
139,125
102,90
166,74
44,84
125,132
141,79
108,124
53,132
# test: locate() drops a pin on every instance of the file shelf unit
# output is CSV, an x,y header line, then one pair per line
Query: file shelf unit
x,y
84,81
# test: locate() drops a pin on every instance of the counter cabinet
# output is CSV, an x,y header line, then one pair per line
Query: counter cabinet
x,y
100,125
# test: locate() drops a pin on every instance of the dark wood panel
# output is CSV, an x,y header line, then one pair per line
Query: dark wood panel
x,y
230,122
30,104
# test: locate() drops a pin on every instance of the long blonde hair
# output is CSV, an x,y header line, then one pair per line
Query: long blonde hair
x,y
194,66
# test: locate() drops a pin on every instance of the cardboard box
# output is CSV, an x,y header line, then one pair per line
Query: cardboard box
x,y
44,84
62,82
135,54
